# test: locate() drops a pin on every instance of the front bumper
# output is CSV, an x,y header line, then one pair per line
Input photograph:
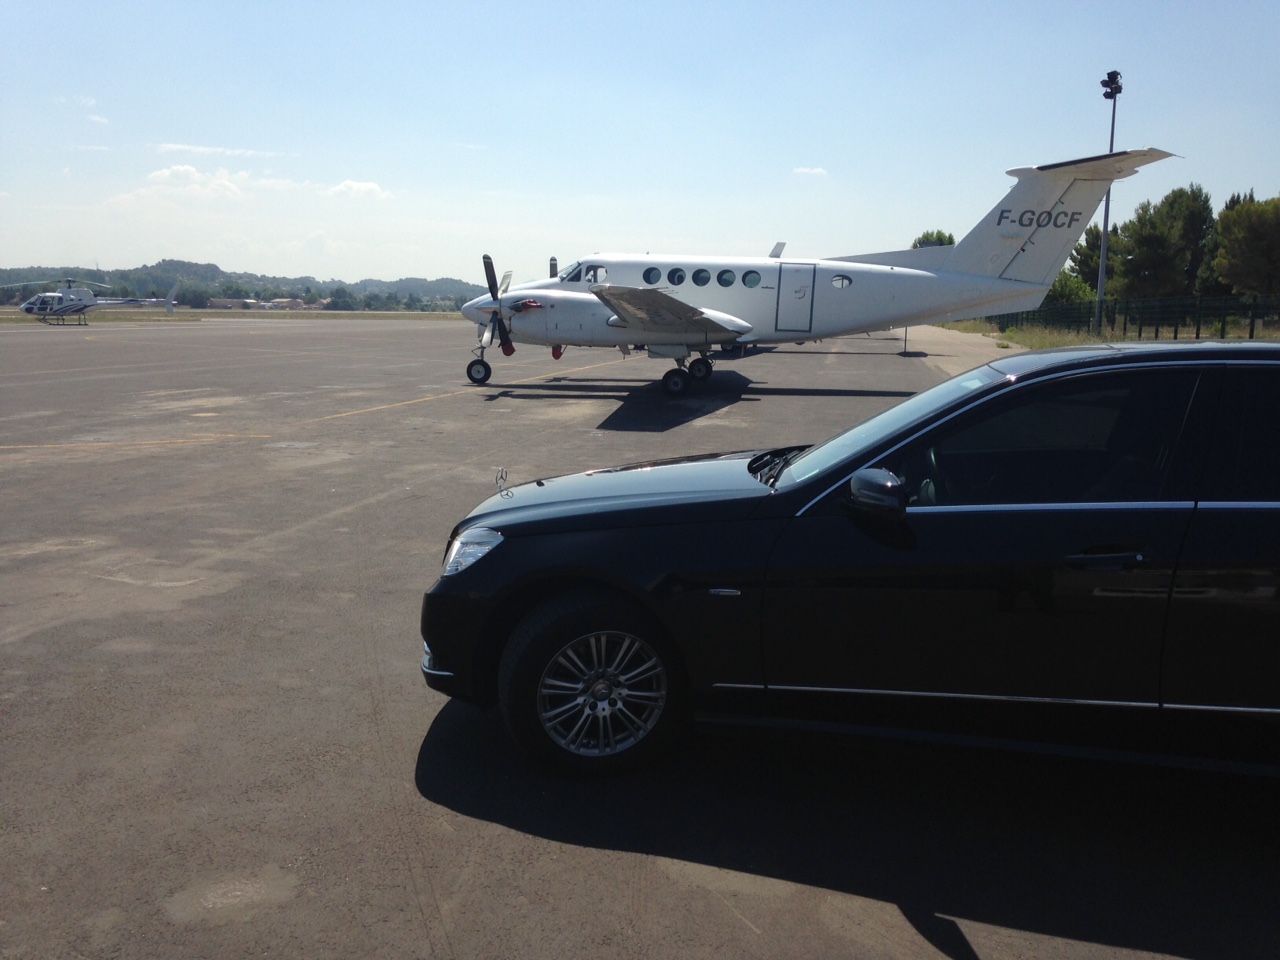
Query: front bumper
x,y
451,646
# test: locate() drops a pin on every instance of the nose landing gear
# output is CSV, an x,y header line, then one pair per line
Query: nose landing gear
x,y
478,370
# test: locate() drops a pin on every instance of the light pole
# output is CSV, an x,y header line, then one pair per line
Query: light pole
x,y
1111,90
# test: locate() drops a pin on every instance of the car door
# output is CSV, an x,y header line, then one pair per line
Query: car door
x,y
1034,561
1223,648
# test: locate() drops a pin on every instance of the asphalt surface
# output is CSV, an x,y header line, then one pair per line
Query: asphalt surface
x,y
215,740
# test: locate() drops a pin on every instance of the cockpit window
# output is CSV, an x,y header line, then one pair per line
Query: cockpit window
x,y
571,273
595,274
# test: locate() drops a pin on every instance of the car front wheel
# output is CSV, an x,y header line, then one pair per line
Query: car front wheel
x,y
587,684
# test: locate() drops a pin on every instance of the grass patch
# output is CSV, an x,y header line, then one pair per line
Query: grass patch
x,y
1041,338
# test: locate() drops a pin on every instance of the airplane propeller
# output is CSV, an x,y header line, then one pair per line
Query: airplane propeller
x,y
555,268
495,320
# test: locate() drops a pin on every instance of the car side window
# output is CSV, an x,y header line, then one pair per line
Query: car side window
x,y
1244,451
1094,438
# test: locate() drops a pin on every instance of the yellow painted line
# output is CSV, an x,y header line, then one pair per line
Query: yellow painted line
x,y
458,393
134,443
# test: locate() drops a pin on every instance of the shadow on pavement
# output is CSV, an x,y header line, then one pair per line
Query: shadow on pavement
x,y
1137,857
644,407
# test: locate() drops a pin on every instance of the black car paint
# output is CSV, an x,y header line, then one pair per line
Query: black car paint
x,y
1113,622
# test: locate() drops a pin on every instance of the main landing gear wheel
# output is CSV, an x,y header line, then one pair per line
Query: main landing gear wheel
x,y
479,371
587,684
700,369
675,383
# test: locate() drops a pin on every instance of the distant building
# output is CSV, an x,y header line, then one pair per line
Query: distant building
x,y
222,303
286,303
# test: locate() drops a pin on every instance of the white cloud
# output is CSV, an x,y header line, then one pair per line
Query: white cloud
x,y
184,180
187,180
811,171
356,188
97,119
212,151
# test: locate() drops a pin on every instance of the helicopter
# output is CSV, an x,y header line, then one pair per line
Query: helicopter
x,y
54,307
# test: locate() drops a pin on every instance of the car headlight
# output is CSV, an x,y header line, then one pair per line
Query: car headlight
x,y
468,547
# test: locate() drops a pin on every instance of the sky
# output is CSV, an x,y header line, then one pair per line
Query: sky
x,y
393,139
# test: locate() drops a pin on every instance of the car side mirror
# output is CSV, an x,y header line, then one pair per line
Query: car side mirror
x,y
878,492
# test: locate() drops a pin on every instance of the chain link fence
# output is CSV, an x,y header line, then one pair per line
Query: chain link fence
x,y
1170,318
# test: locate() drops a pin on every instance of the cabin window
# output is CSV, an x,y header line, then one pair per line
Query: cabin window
x,y
701,277
652,275
596,274
725,278
751,278
840,281
675,276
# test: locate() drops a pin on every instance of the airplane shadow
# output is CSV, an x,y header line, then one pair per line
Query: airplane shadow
x,y
1137,857
644,407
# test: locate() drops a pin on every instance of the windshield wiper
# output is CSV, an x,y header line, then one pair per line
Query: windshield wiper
x,y
767,467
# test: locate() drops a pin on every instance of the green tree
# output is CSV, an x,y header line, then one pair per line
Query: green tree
x,y
1069,288
933,238
1249,246
341,299
1084,258
1152,266
1186,216
192,296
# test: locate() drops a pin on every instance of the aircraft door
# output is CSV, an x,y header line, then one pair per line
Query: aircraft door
x,y
795,297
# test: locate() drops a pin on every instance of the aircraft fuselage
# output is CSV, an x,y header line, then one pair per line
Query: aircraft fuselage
x,y
780,299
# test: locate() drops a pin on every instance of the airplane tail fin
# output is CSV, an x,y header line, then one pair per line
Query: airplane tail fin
x,y
1028,235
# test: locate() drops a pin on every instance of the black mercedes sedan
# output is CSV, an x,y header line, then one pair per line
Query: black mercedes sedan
x,y
1076,547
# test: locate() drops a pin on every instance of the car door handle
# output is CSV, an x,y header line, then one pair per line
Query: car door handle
x,y
1123,560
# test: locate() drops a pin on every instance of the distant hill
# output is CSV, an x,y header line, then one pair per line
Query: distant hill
x,y
199,281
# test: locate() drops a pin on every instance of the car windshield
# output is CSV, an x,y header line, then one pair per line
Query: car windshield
x,y
871,432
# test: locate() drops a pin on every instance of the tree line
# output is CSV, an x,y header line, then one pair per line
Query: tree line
x,y
1177,247
199,283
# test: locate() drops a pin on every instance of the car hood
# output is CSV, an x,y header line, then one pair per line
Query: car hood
x,y
690,489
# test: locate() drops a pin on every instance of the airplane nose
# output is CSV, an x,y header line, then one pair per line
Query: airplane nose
x,y
478,310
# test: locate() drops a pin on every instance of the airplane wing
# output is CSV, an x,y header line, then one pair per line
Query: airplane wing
x,y
655,312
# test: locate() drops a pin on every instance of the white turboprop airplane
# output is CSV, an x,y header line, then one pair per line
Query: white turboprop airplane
x,y
75,302
673,306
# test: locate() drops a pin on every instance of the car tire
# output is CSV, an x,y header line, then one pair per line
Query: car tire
x,y
588,683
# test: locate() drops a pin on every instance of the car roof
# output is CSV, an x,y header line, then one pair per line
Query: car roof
x,y
1033,362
